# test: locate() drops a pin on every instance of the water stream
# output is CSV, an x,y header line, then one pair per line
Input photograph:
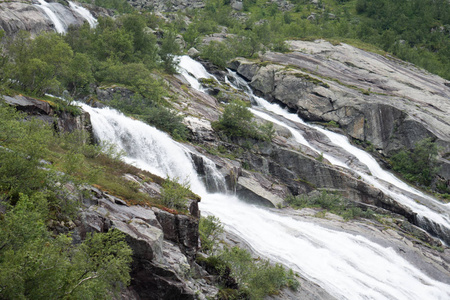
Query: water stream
x,y
59,23
390,185
55,11
347,266
86,14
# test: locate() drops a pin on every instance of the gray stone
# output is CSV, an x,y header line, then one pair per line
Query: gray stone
x,y
192,52
373,98
250,189
237,5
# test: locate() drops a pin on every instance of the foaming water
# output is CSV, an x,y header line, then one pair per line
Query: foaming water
x,y
86,14
347,266
377,177
47,8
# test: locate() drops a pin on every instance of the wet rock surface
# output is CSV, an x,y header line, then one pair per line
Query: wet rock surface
x,y
25,15
373,98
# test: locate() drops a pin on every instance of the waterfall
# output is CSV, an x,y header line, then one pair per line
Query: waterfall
x,y
86,14
193,72
435,221
48,9
62,17
347,266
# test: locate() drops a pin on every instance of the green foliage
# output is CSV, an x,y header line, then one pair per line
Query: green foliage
x,y
175,194
33,265
331,202
210,229
120,6
39,65
22,144
167,120
119,50
218,53
418,165
256,278
150,111
235,120
169,50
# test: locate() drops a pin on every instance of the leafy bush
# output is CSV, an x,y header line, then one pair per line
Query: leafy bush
x,y
166,120
33,262
218,53
255,278
418,165
121,6
331,202
153,113
175,194
210,229
236,121
34,265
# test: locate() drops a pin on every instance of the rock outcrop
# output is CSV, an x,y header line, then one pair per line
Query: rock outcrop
x,y
167,6
164,244
373,98
18,15
62,121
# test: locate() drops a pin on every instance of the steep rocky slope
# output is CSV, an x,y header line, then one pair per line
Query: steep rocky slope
x,y
29,16
373,98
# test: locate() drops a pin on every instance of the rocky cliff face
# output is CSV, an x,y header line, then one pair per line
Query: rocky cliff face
x,y
62,121
18,15
164,244
373,98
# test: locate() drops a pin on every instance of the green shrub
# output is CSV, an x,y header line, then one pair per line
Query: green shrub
x,y
175,194
418,165
210,229
331,202
219,53
167,120
257,278
235,120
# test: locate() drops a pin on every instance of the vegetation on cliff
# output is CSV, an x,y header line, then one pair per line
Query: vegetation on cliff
x,y
416,31
34,262
241,276
118,51
236,121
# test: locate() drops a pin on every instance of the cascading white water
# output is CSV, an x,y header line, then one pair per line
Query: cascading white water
x,y
381,179
60,26
86,14
192,73
58,14
347,266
